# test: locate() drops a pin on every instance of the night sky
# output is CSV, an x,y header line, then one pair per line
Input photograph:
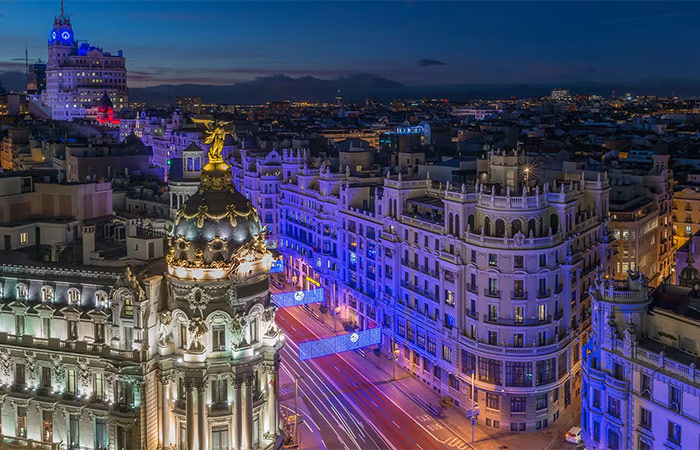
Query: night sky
x,y
415,43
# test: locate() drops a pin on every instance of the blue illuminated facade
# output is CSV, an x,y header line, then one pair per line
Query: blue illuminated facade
x,y
338,344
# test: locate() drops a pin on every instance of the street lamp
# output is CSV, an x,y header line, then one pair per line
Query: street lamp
x,y
335,314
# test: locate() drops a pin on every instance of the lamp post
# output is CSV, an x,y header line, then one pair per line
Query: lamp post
x,y
335,314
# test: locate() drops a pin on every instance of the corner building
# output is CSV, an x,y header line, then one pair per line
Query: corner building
x,y
181,352
492,281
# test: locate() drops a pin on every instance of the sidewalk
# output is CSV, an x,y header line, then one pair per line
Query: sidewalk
x,y
485,438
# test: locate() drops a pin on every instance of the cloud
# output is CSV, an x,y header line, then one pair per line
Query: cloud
x,y
430,62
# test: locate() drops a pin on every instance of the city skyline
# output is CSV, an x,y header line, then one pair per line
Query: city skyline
x,y
411,43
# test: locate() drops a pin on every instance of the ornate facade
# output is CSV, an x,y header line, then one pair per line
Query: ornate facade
x,y
179,355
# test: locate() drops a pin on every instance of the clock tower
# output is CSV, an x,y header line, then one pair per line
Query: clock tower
x,y
61,40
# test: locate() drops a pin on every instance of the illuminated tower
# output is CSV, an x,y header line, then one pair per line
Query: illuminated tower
x,y
78,75
219,345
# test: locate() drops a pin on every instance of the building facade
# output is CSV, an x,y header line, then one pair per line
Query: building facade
x,y
182,354
77,75
489,280
640,366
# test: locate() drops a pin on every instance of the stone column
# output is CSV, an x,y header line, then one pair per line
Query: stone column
x,y
237,414
264,386
201,415
272,401
165,408
247,443
189,389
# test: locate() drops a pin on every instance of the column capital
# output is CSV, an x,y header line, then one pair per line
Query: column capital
x,y
166,377
237,383
249,380
200,385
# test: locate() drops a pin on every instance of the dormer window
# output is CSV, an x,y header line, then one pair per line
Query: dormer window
x,y
101,299
22,291
73,296
47,294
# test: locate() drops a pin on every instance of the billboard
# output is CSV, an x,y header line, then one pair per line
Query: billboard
x,y
298,298
337,344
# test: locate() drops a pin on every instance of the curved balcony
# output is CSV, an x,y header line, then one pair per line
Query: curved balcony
x,y
509,321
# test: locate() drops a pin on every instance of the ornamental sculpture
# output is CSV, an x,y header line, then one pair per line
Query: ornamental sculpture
x,y
215,136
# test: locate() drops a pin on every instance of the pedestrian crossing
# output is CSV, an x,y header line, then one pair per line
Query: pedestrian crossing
x,y
456,443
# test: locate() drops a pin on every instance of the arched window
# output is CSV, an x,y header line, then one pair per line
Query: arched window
x,y
487,226
516,227
457,229
500,228
73,296
470,222
128,305
47,294
22,291
531,227
554,223
450,224
101,299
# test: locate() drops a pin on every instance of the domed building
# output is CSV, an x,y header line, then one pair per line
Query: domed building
x,y
218,342
689,276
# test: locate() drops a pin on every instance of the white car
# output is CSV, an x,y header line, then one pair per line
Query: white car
x,y
573,435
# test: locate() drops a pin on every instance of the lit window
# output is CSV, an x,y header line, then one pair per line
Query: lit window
x,y
47,294
73,296
22,291
23,238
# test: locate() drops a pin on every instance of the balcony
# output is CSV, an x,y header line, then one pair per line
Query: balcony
x,y
10,442
472,313
620,385
519,295
558,314
492,293
543,293
472,288
71,346
517,322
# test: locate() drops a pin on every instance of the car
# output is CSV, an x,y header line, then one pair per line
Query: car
x,y
573,435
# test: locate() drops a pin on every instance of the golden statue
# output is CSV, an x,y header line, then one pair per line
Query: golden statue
x,y
215,138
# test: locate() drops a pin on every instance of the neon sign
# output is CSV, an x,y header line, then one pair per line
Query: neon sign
x,y
65,35
298,298
338,344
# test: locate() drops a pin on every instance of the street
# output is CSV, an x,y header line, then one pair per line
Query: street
x,y
348,401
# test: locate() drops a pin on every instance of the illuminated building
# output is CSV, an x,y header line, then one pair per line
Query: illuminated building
x,y
488,279
640,366
191,104
686,210
560,94
77,75
641,220
182,354
36,79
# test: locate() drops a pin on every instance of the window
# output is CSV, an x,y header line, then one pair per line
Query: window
x,y
74,430
432,347
453,382
19,325
46,425
22,422
23,238
472,255
542,312
613,440
674,432
493,313
519,289
518,373
46,325
20,379
518,314
219,438
493,401
45,382
219,392
183,335
490,370
596,431
71,381
218,333
101,299
518,404
101,435
613,407
541,402
674,398
73,296
46,294
99,386
468,362
99,333
518,340
493,259
543,260
645,388
72,329
596,398
645,418
22,291
493,286
449,297
545,371
493,338
446,353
